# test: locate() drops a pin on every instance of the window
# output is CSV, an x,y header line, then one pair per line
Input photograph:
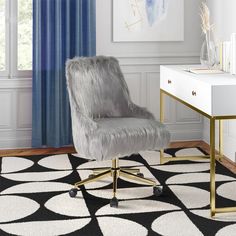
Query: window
x,y
15,38
24,34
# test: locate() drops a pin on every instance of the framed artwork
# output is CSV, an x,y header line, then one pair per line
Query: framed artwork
x,y
148,20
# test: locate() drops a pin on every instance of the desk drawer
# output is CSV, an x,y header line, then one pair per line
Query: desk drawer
x,y
191,91
194,93
167,82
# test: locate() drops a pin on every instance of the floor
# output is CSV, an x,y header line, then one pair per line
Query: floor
x,y
45,151
35,201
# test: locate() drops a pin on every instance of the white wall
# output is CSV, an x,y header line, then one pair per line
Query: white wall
x,y
15,113
190,46
140,63
224,19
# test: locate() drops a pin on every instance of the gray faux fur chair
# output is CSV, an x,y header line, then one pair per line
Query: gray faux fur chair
x,y
106,124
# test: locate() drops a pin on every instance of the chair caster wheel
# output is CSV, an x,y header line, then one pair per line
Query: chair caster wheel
x,y
157,191
140,175
73,192
114,202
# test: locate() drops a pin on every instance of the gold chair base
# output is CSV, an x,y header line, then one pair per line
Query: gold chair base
x,y
115,172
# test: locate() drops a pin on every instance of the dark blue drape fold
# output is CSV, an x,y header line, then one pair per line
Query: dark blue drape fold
x,y
61,29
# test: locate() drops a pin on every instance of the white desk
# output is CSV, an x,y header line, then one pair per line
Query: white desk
x,y
212,95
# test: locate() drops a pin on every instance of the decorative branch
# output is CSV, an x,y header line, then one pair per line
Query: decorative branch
x,y
205,18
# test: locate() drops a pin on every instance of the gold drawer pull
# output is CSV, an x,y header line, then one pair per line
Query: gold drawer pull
x,y
169,81
194,93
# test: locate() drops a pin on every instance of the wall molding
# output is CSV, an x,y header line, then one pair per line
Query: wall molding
x,y
15,83
13,143
161,54
181,109
157,59
186,134
24,109
6,108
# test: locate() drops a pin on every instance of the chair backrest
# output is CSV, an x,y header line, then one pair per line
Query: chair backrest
x,y
97,86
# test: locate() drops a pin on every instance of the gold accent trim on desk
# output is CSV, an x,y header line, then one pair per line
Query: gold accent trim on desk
x,y
213,157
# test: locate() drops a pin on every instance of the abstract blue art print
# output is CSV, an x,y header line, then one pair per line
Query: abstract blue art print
x,y
148,20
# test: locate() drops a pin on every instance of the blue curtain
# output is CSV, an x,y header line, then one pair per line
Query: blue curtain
x,y
61,29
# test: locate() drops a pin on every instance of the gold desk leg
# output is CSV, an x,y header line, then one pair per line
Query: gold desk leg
x,y
220,139
161,120
115,174
212,167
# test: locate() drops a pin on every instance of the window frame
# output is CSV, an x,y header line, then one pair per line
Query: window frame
x,y
5,73
11,43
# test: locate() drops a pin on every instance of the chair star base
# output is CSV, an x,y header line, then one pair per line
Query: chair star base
x,y
115,172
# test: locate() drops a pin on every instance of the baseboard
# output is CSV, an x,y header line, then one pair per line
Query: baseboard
x,y
226,161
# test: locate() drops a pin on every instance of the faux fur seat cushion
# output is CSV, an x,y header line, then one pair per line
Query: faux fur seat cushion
x,y
126,136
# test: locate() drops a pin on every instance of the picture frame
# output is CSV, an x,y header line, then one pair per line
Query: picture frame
x,y
148,20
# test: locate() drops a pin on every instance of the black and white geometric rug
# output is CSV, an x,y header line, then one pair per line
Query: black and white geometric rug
x,y
34,198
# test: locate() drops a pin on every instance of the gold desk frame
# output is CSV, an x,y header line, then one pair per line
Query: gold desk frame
x,y
213,156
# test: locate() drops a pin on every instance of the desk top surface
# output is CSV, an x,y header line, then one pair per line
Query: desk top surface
x,y
211,79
